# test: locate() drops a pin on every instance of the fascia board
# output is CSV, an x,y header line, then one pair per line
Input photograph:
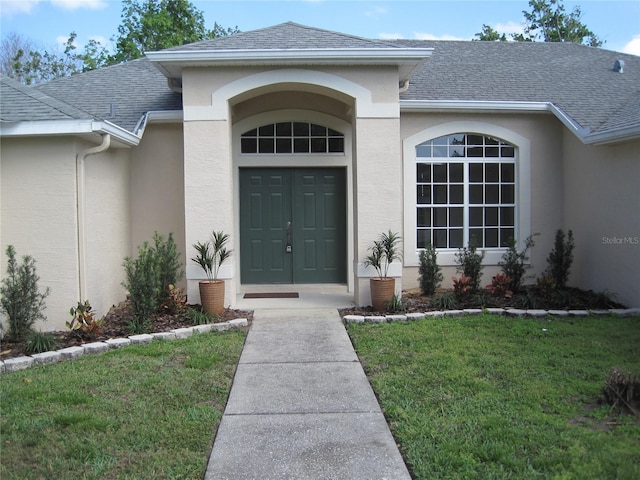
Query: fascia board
x,y
480,106
68,127
613,135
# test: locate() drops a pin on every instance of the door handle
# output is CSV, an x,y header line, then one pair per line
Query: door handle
x,y
288,247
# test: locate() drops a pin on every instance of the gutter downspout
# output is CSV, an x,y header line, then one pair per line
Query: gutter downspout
x,y
80,180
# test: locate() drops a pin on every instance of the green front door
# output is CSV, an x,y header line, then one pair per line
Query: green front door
x,y
293,225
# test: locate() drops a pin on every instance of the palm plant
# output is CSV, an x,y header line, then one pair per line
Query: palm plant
x,y
212,254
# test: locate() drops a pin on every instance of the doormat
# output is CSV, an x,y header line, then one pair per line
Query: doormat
x,y
272,295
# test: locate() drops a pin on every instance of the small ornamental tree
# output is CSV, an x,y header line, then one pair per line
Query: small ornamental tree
x,y
560,259
430,275
470,264
20,298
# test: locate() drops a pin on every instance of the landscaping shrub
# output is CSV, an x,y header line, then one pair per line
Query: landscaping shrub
x,y
444,301
143,286
20,298
396,304
84,321
39,342
500,286
169,267
430,275
470,264
513,262
560,259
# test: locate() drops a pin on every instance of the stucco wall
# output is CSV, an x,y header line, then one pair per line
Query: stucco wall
x,y
545,137
157,186
39,216
107,226
602,208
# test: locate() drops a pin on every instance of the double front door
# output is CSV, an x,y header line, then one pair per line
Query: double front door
x,y
293,225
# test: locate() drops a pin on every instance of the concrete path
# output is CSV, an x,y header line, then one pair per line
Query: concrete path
x,y
301,406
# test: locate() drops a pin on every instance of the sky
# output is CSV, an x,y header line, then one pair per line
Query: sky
x,y
49,22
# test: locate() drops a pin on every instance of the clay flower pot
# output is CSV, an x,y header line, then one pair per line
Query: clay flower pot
x,y
382,290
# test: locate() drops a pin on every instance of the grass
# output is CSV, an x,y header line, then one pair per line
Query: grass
x,y
148,411
492,397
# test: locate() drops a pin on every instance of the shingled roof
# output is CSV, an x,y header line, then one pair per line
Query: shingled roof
x,y
579,80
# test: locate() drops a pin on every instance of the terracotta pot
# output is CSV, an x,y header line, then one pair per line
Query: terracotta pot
x,y
212,296
382,290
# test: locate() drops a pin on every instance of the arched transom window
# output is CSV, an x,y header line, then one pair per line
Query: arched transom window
x,y
292,137
466,191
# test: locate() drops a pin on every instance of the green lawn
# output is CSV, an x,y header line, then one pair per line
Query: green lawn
x,y
494,397
142,412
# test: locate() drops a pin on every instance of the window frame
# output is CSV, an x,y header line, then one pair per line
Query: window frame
x,y
522,220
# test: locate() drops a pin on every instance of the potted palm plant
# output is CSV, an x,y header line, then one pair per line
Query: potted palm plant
x,y
211,255
382,253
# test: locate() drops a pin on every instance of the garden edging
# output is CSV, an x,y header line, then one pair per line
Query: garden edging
x,y
69,353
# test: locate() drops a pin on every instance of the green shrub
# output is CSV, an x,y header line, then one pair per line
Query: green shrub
x,y
169,267
470,265
513,262
198,317
444,301
84,321
39,342
396,304
430,275
560,259
143,286
20,298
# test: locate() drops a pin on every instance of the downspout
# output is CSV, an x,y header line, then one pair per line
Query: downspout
x,y
80,179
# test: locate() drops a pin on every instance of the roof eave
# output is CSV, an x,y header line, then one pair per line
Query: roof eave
x,y
615,135
171,62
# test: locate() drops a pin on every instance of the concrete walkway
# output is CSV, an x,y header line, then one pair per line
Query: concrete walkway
x,y
301,406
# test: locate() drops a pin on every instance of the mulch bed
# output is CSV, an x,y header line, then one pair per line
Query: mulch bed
x,y
116,325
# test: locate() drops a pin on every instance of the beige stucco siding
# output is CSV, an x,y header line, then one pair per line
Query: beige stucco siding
x,y
39,216
107,226
602,208
541,209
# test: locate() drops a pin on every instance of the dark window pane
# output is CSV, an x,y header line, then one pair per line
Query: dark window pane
x,y
440,173
266,130
491,141
455,217
318,130
506,235
423,150
476,216
508,174
475,140
283,129
334,133
507,217
507,152
424,194
475,194
440,151
491,237
336,145
508,193
251,133
440,217
475,151
249,145
318,145
492,194
440,194
491,152
476,173
266,145
300,129
424,217
456,194
491,216
423,173
283,145
424,238
301,145
440,238
456,172
476,237
455,238
492,172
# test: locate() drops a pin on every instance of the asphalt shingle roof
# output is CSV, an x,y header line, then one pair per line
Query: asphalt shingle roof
x,y
578,79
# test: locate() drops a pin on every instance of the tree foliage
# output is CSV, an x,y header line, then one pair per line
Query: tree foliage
x,y
548,21
153,25
146,25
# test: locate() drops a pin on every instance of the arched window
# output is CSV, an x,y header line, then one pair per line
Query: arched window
x,y
292,138
466,191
